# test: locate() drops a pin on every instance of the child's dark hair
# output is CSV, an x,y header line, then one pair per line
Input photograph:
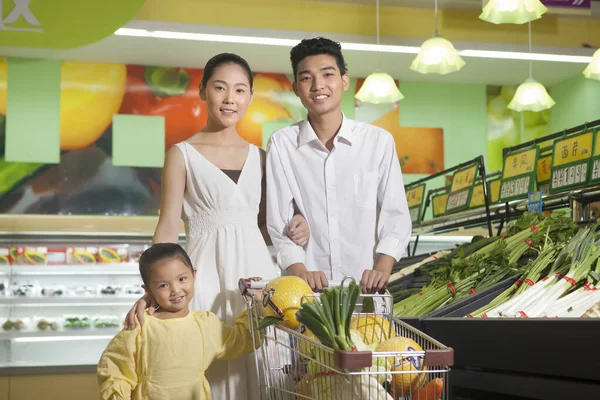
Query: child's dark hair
x,y
159,252
222,59
314,47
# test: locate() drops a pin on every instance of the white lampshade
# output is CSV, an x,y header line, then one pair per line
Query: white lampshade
x,y
379,88
531,96
437,56
593,69
512,11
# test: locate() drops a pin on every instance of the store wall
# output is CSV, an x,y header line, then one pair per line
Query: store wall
x,y
577,101
459,110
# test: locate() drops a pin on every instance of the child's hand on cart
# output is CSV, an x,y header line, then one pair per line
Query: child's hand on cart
x,y
247,290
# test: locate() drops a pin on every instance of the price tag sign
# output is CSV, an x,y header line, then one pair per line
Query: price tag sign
x,y
543,173
571,162
518,174
534,201
477,198
461,189
595,171
494,191
415,196
439,204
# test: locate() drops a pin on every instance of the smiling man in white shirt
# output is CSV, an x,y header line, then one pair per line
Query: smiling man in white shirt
x,y
342,175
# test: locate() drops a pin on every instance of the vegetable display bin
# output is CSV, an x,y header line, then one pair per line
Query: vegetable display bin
x,y
560,348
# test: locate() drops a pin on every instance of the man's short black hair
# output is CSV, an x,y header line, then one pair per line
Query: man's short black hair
x,y
314,47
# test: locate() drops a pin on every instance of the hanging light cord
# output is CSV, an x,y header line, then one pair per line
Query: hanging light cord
x,y
530,60
377,19
435,20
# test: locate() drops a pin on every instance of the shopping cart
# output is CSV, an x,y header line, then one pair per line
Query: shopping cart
x,y
292,365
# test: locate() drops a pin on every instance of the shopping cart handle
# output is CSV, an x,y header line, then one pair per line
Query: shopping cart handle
x,y
245,284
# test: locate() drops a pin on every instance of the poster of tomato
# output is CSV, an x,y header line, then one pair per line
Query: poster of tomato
x,y
86,183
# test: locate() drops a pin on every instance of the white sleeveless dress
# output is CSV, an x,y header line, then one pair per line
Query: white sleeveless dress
x,y
225,244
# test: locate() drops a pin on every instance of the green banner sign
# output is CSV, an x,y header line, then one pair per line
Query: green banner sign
x,y
571,162
518,174
461,188
415,196
62,24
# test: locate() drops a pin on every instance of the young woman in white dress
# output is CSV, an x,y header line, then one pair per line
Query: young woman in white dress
x,y
215,182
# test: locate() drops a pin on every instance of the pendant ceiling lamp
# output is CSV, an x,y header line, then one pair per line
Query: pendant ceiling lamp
x,y
512,11
593,69
379,87
437,55
531,95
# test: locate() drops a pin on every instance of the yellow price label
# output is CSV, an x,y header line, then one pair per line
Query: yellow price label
x,y
519,163
495,190
463,179
597,144
544,168
414,195
439,204
572,149
477,198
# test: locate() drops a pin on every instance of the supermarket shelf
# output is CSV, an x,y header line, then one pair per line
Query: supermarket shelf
x,y
79,270
477,217
60,335
45,301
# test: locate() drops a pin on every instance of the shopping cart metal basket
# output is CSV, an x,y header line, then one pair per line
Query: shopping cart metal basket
x,y
293,364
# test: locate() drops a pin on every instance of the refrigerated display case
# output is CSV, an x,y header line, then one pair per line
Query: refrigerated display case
x,y
63,296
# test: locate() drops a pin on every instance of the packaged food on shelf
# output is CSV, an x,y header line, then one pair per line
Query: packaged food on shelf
x,y
46,324
38,255
77,322
58,290
4,256
114,254
82,291
82,255
135,252
16,324
106,321
23,289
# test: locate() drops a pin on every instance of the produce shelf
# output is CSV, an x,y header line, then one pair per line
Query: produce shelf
x,y
559,348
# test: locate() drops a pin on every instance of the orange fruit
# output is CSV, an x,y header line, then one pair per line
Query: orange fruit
x,y
264,82
424,147
261,110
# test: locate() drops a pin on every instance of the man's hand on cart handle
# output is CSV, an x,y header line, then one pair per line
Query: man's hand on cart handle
x,y
315,279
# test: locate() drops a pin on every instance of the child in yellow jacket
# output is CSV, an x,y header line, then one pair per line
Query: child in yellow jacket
x,y
166,358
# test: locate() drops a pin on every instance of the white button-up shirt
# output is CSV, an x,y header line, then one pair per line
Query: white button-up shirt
x,y
352,197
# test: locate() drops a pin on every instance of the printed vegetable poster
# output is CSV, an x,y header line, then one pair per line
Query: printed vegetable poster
x,y
507,127
86,182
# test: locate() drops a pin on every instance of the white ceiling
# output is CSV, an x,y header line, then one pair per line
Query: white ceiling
x,y
184,53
